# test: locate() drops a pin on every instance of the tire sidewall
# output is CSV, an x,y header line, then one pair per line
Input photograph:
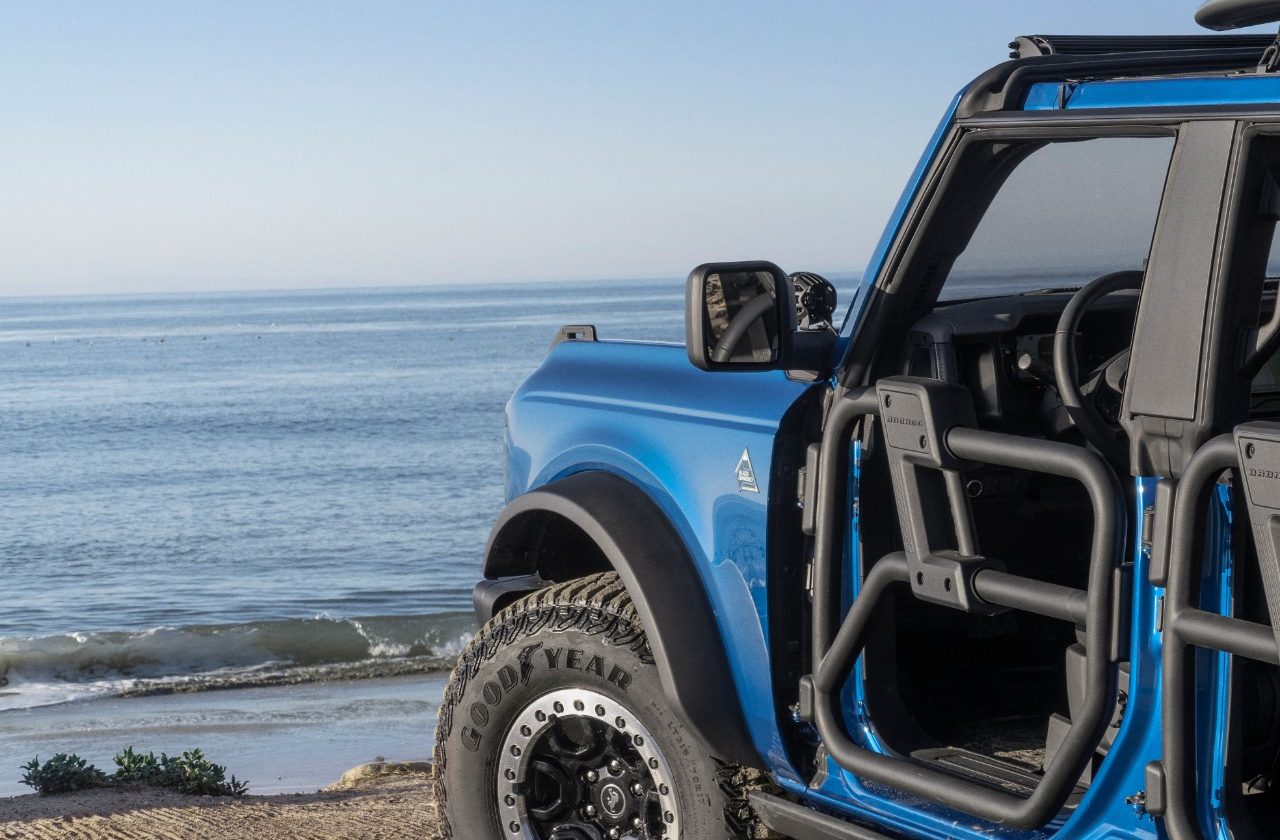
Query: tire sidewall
x,y
518,672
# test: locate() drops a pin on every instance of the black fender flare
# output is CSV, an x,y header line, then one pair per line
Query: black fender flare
x,y
655,565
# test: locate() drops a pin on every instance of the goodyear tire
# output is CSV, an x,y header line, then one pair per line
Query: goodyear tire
x,y
554,727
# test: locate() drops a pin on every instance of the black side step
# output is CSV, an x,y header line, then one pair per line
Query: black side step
x,y
802,823
989,771
1001,775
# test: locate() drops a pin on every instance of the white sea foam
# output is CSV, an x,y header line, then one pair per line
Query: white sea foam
x,y
39,671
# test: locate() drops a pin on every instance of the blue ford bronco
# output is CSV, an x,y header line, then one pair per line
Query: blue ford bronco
x,y
994,555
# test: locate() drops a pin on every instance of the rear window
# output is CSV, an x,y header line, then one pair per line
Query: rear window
x,y
1070,212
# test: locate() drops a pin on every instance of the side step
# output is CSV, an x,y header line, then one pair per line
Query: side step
x,y
987,770
802,823
997,774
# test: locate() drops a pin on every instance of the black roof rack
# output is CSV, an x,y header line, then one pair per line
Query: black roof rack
x,y
1026,46
1005,85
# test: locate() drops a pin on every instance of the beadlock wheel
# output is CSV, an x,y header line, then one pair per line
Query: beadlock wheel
x,y
556,726
577,765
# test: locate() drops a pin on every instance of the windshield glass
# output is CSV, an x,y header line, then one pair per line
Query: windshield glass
x,y
1070,212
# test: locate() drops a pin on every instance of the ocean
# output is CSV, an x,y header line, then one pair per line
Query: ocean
x,y
245,489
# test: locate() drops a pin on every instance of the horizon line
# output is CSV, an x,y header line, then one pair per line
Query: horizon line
x,y
267,290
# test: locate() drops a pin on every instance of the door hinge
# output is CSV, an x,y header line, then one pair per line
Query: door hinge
x,y
808,490
1148,517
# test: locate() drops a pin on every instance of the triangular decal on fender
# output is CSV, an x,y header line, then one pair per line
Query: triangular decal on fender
x,y
746,474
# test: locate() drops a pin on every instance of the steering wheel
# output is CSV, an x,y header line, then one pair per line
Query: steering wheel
x,y
738,326
1094,403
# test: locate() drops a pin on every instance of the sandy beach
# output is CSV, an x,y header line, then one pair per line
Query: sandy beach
x,y
390,805
281,739
292,743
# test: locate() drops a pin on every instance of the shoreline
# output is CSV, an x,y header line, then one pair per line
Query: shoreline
x,y
371,800
281,739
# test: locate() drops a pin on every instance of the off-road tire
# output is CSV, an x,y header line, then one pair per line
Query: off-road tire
x,y
524,653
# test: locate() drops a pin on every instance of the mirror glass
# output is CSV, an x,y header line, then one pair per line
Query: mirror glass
x,y
742,317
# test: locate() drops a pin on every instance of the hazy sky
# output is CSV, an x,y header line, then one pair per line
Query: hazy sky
x,y
228,145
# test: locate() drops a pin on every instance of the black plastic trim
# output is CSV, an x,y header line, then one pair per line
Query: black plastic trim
x,y
1155,795
801,822
574,332
1167,406
489,596
658,570
1161,527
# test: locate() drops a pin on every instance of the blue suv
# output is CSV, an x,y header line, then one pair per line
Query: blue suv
x,y
993,555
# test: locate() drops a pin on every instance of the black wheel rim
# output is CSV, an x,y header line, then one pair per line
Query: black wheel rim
x,y
576,765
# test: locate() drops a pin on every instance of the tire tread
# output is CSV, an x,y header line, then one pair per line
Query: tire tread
x,y
598,605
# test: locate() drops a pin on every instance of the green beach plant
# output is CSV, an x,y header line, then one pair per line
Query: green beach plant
x,y
189,773
136,767
61,774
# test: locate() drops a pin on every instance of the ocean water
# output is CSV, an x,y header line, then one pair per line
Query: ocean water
x,y
230,490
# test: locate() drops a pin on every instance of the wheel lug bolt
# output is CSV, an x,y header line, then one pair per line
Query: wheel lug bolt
x,y
637,823
637,789
615,766
614,834
592,776
590,810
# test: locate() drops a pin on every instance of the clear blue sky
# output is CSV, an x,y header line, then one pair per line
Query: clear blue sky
x,y
230,145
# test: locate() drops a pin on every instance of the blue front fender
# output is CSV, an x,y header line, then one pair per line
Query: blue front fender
x,y
643,413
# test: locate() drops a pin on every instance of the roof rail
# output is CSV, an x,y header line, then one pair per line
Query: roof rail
x,y
1026,46
1005,85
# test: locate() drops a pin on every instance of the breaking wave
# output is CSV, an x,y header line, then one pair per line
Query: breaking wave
x,y
42,670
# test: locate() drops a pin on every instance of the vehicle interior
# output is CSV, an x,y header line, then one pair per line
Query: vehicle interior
x,y
991,697
992,694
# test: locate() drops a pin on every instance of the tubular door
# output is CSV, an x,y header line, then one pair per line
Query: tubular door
x,y
928,436
1251,456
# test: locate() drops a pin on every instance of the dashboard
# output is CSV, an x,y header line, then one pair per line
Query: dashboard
x,y
1002,350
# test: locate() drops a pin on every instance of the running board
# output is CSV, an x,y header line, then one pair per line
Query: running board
x,y
984,769
989,771
800,822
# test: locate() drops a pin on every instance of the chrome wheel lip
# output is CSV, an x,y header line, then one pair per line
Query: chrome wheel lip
x,y
539,716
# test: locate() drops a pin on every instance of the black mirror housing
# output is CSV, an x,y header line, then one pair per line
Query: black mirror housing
x,y
739,316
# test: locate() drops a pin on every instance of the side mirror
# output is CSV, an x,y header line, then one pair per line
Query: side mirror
x,y
739,316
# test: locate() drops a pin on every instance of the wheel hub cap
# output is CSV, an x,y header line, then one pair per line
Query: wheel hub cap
x,y
576,765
